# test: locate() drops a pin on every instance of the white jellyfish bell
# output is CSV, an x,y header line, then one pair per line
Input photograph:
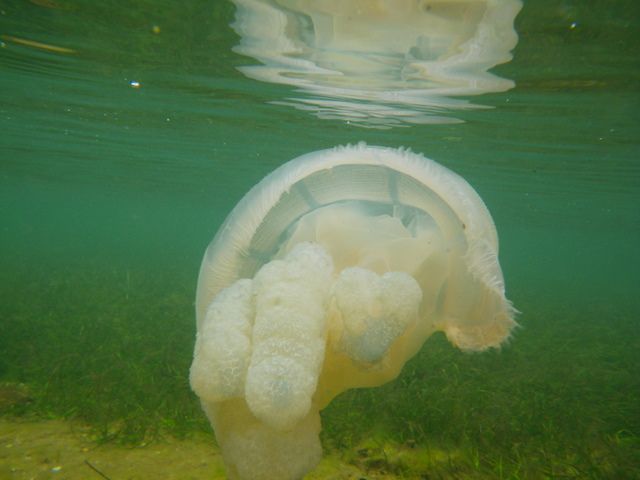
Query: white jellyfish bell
x,y
378,63
328,275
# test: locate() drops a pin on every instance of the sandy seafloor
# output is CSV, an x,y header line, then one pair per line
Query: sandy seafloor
x,y
59,450
55,449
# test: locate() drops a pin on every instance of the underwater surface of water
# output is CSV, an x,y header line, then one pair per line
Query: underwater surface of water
x,y
127,133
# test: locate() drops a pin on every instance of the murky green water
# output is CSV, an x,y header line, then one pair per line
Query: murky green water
x,y
111,190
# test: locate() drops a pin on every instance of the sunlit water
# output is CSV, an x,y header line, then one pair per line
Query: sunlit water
x,y
127,134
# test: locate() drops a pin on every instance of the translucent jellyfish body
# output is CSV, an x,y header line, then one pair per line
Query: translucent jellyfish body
x,y
328,275
378,63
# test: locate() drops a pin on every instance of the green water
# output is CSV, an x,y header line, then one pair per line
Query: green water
x,y
109,195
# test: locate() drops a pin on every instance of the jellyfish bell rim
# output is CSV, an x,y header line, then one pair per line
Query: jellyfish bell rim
x,y
232,242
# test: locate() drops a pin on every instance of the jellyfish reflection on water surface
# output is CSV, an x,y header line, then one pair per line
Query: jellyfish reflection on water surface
x,y
328,275
378,63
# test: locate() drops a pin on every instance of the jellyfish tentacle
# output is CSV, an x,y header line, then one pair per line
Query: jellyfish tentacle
x,y
288,335
375,310
223,346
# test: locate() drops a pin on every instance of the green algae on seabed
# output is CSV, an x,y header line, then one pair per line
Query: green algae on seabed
x,y
92,346
14,397
555,402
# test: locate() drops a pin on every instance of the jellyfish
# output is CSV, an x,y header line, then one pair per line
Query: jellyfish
x,y
328,275
378,63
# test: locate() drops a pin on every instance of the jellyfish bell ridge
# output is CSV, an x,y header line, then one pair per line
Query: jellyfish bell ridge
x,y
344,186
362,178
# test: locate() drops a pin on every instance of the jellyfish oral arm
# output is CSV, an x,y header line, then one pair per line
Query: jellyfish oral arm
x,y
288,335
261,348
374,310
223,345
264,339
